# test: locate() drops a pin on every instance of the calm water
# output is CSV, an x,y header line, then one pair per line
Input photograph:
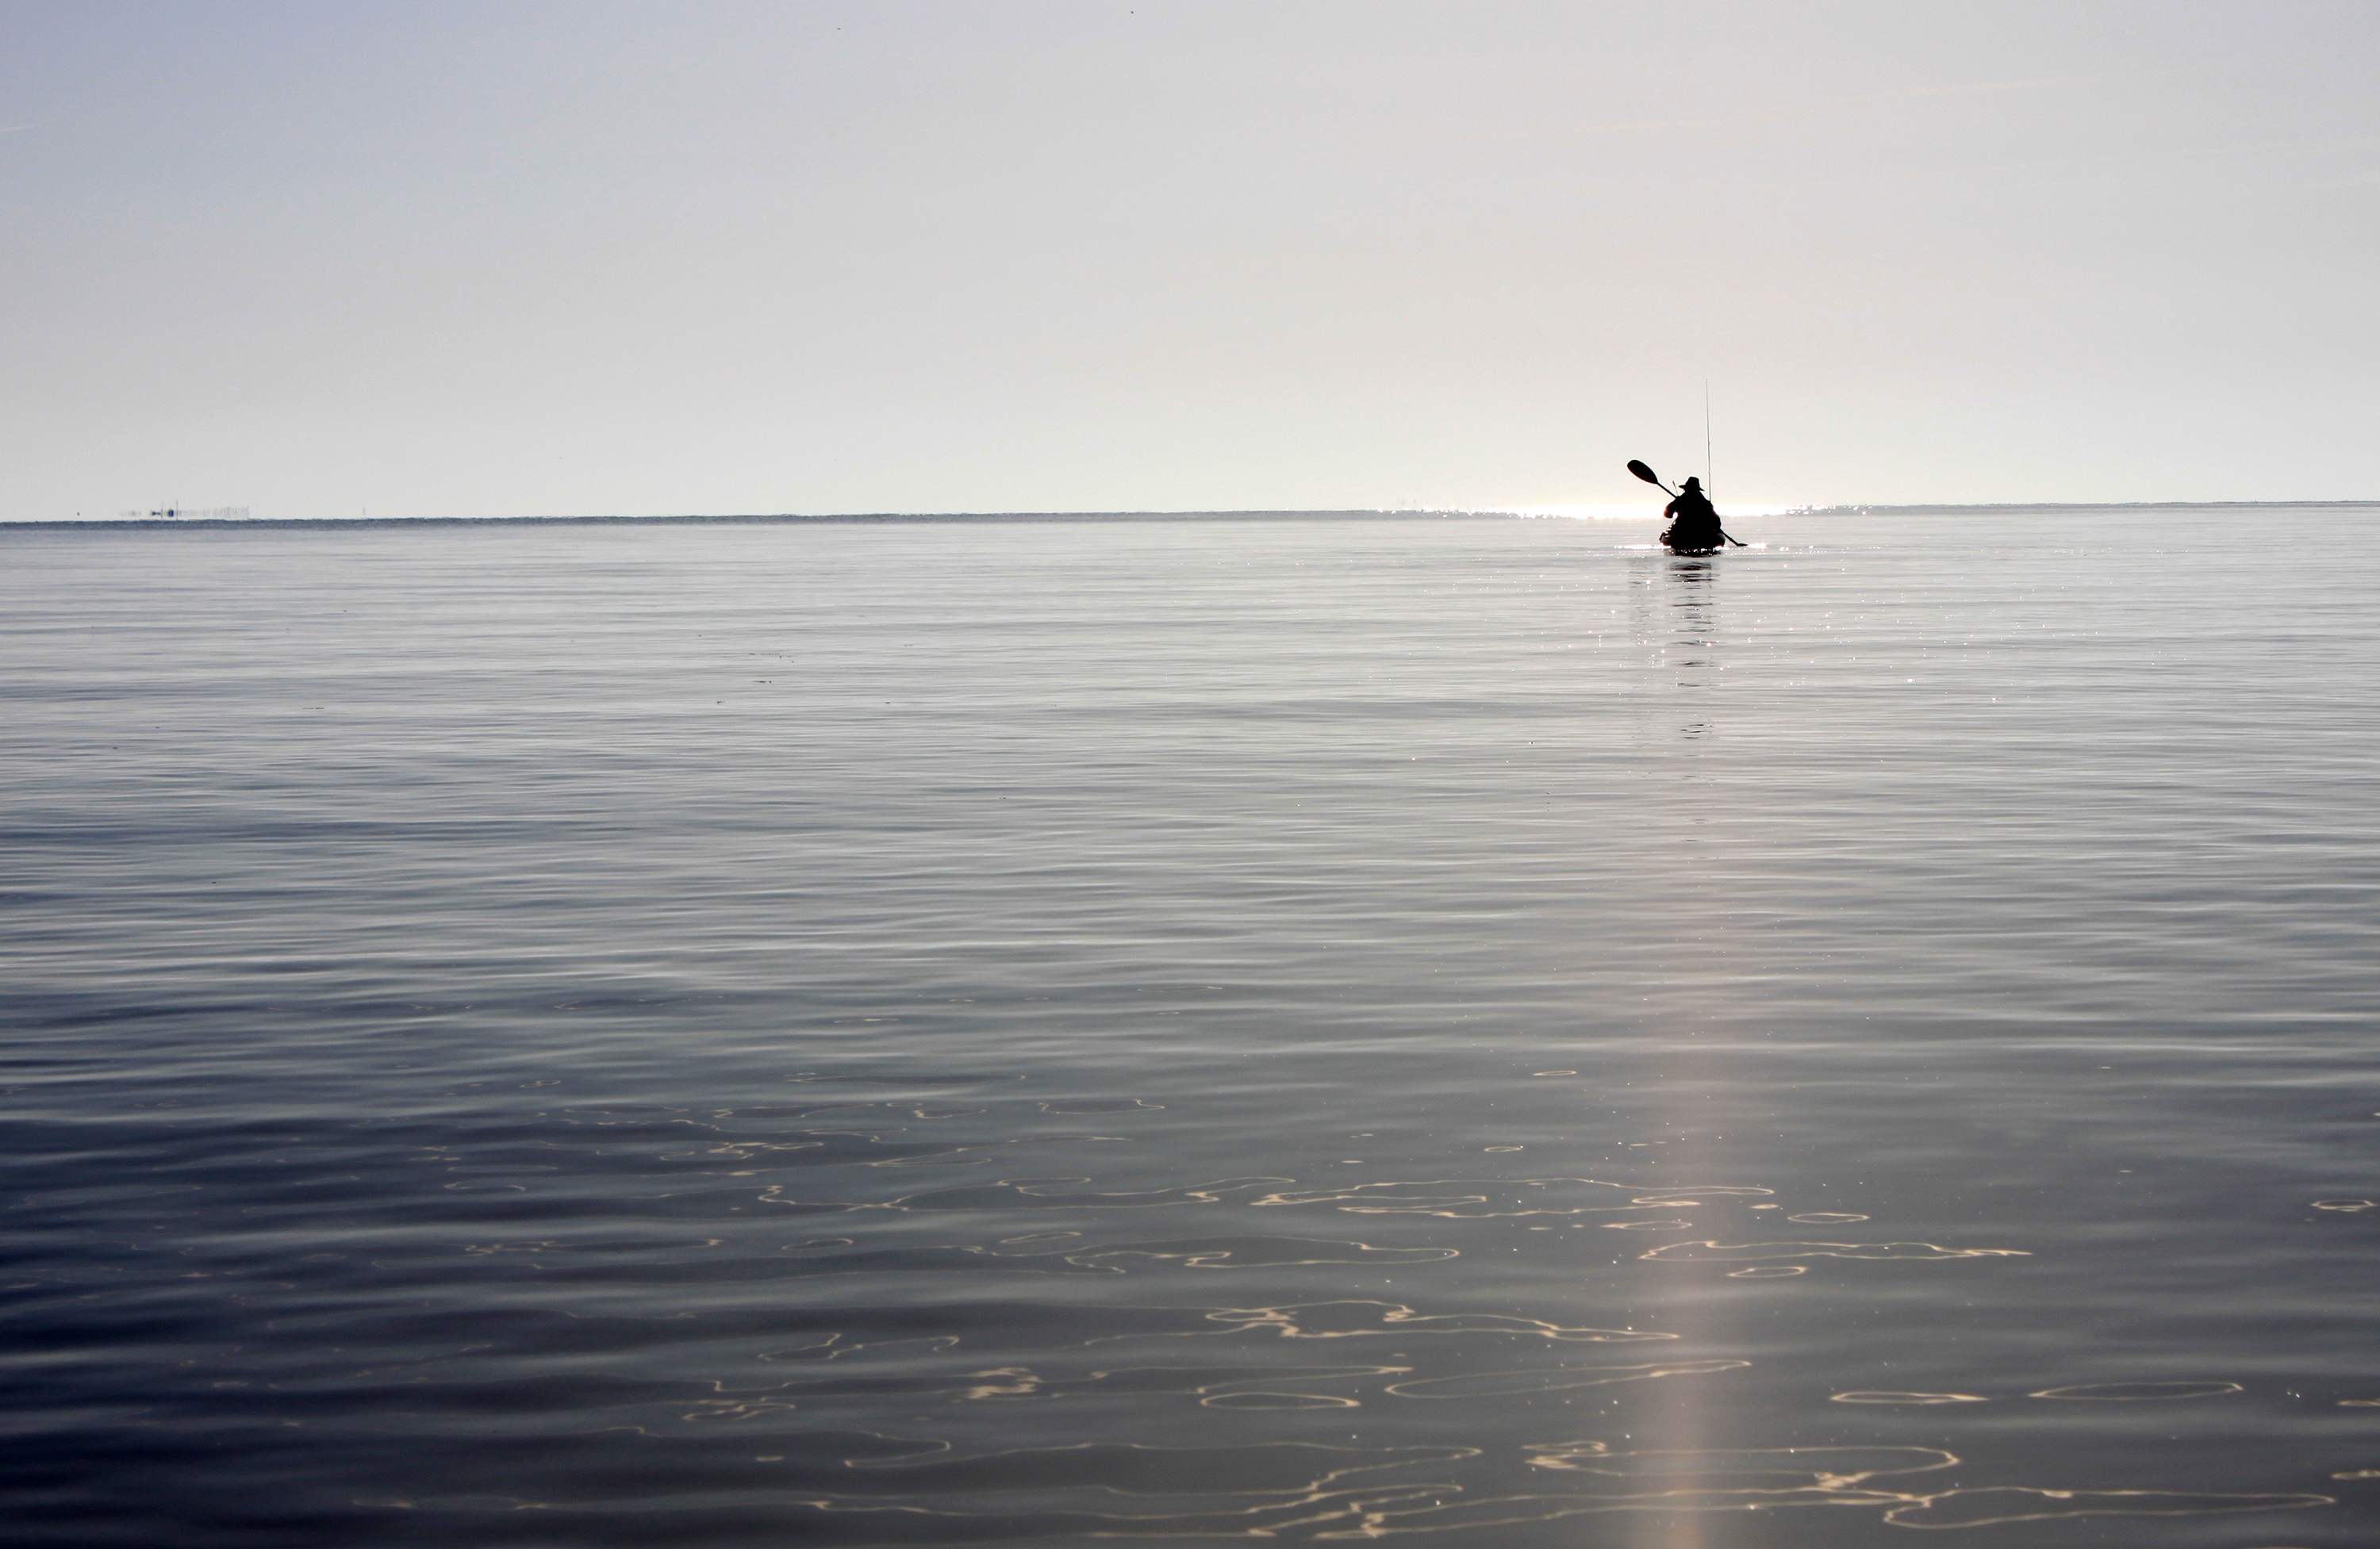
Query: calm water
x,y
939,1034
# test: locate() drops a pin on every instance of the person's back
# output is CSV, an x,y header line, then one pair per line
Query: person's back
x,y
1693,521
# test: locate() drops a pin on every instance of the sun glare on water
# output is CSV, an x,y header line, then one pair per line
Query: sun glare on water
x,y
1645,511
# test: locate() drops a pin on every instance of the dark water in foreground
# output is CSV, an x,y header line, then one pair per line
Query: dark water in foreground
x,y
933,1035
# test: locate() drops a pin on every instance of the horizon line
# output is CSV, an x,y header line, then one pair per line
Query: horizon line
x,y
1580,513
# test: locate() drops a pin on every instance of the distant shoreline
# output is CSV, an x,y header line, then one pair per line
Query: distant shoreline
x,y
2082,505
2007,508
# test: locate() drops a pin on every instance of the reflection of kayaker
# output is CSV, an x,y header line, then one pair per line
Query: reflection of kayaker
x,y
1694,522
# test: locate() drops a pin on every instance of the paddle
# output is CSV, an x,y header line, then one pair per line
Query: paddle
x,y
1649,477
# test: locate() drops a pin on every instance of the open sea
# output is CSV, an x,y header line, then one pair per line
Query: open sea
x,y
923,1033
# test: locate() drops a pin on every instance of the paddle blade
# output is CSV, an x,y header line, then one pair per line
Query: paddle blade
x,y
1641,471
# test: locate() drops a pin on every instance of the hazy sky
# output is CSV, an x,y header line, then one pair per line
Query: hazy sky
x,y
1002,254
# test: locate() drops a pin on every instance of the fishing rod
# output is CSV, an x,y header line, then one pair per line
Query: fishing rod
x,y
1649,477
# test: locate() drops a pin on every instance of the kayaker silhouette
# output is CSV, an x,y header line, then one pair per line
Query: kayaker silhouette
x,y
1694,522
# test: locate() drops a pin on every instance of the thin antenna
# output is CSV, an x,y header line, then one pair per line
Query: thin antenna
x,y
1706,456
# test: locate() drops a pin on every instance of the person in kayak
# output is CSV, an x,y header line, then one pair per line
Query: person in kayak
x,y
1694,522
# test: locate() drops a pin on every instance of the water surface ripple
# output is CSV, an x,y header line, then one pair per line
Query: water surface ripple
x,y
950,1034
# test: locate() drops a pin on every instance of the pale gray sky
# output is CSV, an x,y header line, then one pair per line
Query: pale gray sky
x,y
489,258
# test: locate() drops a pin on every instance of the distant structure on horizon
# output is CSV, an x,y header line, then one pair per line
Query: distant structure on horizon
x,y
198,513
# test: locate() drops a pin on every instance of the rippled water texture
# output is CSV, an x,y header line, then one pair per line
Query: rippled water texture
x,y
935,1033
